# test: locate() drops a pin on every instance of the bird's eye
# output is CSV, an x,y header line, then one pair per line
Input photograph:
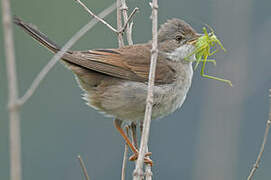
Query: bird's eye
x,y
179,38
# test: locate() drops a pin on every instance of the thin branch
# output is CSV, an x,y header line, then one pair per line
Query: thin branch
x,y
129,33
83,167
119,24
60,53
268,123
128,29
125,157
138,172
124,162
97,17
121,43
126,21
121,28
14,117
124,9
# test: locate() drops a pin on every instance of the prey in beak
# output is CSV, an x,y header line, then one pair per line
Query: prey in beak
x,y
203,44
194,39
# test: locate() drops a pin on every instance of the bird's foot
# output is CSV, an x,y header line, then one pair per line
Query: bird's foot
x,y
147,160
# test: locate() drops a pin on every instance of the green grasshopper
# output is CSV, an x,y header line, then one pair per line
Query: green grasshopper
x,y
203,50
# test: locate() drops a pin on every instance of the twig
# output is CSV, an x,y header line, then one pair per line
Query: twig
x,y
126,22
14,118
119,24
138,172
129,33
84,169
128,29
59,54
124,162
124,9
121,43
97,17
125,157
268,123
121,28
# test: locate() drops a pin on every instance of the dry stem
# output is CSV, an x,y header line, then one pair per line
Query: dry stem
x,y
121,28
124,9
60,53
125,156
119,24
84,169
268,123
124,162
14,118
129,29
121,43
97,17
138,172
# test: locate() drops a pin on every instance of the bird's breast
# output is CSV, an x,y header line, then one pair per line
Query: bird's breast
x,y
126,100
174,94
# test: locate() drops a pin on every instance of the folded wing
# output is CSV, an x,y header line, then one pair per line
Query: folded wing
x,y
130,63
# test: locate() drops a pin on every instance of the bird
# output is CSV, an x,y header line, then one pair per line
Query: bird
x,y
114,80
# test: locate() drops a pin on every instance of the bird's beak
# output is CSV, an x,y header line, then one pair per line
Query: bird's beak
x,y
194,39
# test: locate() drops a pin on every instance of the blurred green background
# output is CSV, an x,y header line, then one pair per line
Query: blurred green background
x,y
215,135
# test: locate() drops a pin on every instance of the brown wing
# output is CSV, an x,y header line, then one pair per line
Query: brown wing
x,y
131,63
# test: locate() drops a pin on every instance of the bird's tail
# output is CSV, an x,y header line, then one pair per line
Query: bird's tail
x,y
37,35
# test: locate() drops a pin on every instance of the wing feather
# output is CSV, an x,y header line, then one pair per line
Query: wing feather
x,y
130,63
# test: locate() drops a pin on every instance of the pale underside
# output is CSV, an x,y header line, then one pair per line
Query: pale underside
x,y
126,100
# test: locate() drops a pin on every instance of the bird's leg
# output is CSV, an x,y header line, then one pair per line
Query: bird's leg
x,y
141,126
134,136
147,160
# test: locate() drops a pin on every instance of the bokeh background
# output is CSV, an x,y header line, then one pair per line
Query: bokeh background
x,y
215,135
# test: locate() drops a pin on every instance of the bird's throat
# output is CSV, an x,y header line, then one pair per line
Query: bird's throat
x,y
180,53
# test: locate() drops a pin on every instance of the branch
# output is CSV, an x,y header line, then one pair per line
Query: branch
x,y
84,169
97,17
124,162
126,22
60,53
138,172
14,118
119,24
127,27
125,154
121,43
268,123
124,9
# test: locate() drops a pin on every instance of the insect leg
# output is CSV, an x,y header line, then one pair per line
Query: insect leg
x,y
212,77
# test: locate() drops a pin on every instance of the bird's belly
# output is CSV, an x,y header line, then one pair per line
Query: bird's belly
x,y
127,100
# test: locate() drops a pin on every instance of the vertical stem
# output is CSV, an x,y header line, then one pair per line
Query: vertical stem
x,y
124,9
14,126
125,156
119,24
121,44
138,172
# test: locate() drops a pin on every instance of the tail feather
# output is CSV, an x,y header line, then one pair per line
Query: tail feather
x,y
37,35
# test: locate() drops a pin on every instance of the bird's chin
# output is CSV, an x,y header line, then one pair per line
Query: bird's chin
x,y
182,52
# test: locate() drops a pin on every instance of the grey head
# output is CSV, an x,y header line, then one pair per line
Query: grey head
x,y
176,37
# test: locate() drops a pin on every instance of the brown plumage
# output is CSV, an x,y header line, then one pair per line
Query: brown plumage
x,y
115,80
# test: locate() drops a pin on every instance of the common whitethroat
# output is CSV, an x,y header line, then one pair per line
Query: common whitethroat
x,y
115,80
